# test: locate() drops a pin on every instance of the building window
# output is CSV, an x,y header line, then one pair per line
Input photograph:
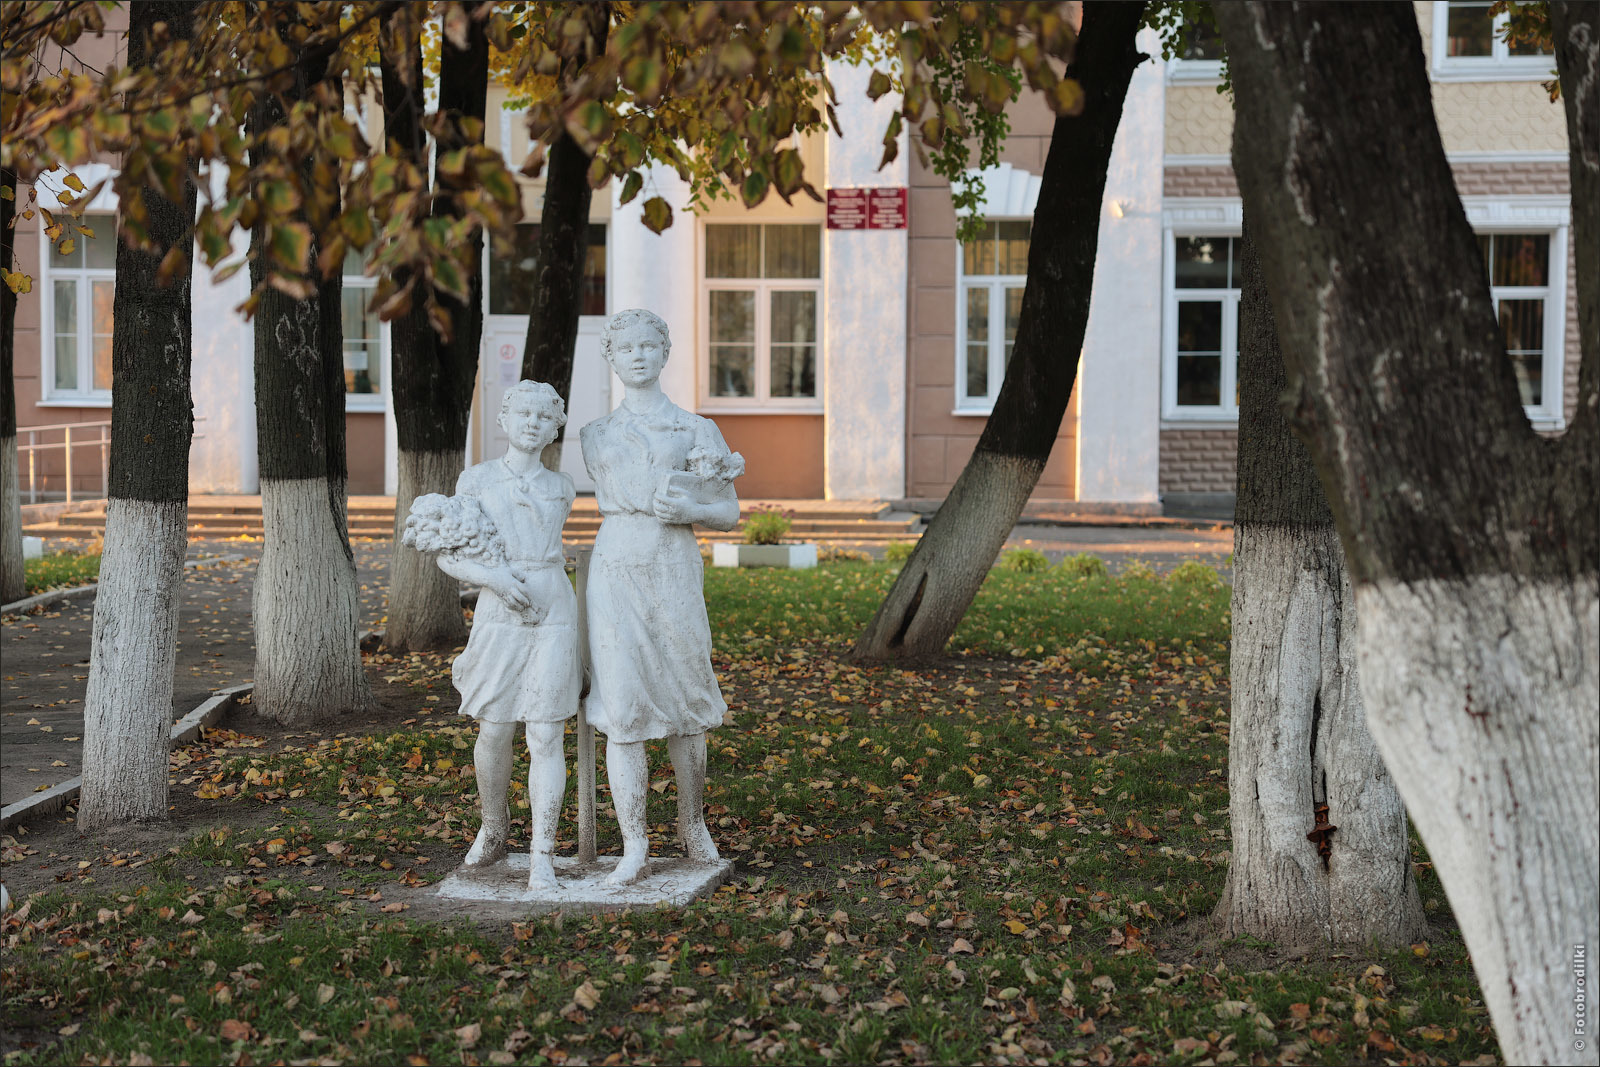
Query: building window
x,y
991,273
512,273
1200,337
1201,345
363,336
761,314
80,287
1469,44
1199,58
1519,283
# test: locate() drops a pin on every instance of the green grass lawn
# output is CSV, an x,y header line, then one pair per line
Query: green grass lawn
x,y
1004,857
61,570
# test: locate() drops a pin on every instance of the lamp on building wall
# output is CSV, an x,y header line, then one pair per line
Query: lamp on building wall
x,y
1117,210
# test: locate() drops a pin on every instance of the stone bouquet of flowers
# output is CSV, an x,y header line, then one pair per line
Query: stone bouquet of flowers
x,y
708,475
459,526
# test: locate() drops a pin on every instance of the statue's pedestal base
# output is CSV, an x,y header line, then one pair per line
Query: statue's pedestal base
x,y
669,882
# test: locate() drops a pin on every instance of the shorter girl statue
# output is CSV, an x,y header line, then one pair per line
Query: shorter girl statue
x,y
502,531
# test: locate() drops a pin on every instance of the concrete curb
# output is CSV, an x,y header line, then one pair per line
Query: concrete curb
x,y
1094,522
53,596
185,730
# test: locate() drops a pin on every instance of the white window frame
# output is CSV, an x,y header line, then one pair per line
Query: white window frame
x,y
1223,217
1197,218
377,400
1499,65
85,395
1194,71
996,284
763,402
1551,216
49,186
1180,71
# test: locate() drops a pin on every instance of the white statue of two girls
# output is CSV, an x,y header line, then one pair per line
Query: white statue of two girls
x,y
657,470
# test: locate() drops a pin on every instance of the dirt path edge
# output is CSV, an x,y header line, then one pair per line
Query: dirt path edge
x,y
185,730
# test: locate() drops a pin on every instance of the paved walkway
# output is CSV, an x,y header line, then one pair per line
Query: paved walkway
x,y
46,655
46,659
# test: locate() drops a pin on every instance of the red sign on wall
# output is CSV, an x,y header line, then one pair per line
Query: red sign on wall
x,y
868,209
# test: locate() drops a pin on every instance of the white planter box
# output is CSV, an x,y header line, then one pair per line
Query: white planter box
x,y
795,556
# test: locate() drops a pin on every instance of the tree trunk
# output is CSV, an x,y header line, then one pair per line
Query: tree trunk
x,y
433,378
308,666
1472,541
127,708
938,582
547,354
1299,743
552,340
1576,31
13,580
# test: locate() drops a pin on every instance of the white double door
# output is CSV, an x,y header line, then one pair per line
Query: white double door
x,y
501,368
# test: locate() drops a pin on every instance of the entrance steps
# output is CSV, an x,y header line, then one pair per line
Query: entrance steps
x,y
216,518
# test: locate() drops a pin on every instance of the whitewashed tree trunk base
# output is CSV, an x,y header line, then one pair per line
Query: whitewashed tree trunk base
x,y
13,578
308,666
1482,695
424,602
128,707
948,566
1298,732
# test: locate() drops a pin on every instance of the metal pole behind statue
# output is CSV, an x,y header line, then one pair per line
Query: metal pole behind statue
x,y
586,767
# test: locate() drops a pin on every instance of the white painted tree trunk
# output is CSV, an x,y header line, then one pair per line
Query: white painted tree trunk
x,y
1482,695
13,580
1298,736
127,710
948,566
308,665
424,602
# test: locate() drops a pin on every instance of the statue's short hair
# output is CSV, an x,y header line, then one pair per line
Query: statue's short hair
x,y
633,317
542,393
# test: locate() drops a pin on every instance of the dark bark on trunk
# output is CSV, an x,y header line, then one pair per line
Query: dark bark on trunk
x,y
8,309
1473,542
299,368
152,412
308,667
128,701
1277,482
939,581
1576,29
558,288
1426,380
547,353
433,378
13,579
1300,753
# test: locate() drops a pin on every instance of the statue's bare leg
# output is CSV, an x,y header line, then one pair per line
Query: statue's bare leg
x,y
629,775
689,764
492,760
547,786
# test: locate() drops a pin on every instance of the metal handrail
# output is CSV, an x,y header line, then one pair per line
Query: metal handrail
x,y
102,440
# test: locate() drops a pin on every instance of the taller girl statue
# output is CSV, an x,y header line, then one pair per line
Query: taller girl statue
x,y
657,469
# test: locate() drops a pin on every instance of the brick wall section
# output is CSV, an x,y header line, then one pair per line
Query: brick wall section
x,y
1511,179
1198,461
1182,182
939,443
